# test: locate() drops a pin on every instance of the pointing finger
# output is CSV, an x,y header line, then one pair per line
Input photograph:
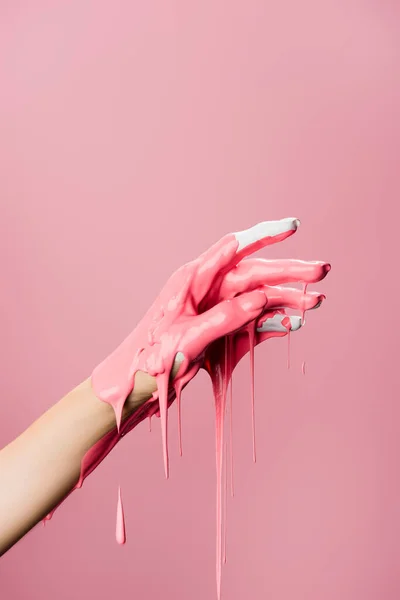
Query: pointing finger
x,y
232,248
263,234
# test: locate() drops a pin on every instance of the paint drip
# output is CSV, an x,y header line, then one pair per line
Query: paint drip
x,y
287,324
120,533
209,329
230,404
303,314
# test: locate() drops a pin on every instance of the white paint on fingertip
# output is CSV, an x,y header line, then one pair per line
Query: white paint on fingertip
x,y
265,229
179,358
274,324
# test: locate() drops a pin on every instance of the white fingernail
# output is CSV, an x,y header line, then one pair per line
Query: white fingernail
x,y
274,324
265,229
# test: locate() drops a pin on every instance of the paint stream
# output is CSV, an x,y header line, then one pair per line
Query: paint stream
x,y
231,438
162,386
229,449
178,392
303,321
287,324
251,333
211,329
303,313
120,533
225,500
219,381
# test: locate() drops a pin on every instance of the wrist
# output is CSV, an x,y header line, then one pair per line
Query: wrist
x,y
144,387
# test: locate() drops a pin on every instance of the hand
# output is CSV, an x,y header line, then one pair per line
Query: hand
x,y
214,296
210,313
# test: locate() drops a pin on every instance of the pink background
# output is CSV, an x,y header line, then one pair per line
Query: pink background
x,y
133,135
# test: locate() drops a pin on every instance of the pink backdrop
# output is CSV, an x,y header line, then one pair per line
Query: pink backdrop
x,y
133,135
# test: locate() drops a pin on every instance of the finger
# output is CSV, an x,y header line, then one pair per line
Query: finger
x,y
282,297
253,272
263,234
279,323
221,320
271,324
232,248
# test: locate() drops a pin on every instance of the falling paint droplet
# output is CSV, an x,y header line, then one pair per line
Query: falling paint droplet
x,y
150,423
120,534
303,367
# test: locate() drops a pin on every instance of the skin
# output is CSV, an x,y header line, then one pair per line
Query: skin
x,y
32,479
42,465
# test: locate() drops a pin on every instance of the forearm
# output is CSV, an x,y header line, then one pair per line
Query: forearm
x,y
40,467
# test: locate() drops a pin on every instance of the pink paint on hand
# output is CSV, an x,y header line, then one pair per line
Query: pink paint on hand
x,y
211,312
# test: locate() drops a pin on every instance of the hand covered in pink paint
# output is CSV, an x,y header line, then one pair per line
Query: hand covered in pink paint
x,y
215,296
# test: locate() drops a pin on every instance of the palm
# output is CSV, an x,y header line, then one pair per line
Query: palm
x,y
221,294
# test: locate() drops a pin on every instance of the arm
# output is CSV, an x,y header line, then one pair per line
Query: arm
x,y
220,295
41,466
